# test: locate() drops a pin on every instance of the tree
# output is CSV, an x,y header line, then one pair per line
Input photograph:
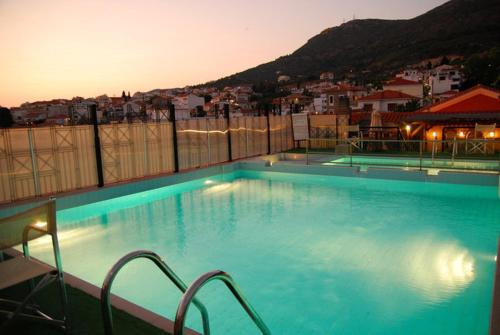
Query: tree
x,y
444,61
482,69
410,106
6,119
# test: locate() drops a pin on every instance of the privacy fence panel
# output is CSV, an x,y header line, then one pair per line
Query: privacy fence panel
x,y
218,141
120,155
135,150
19,164
239,137
45,160
48,160
159,153
257,135
189,139
281,133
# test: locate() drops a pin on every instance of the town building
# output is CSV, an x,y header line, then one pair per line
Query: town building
x,y
385,101
410,87
444,78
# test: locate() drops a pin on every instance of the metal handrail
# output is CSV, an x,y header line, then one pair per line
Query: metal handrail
x,y
110,277
188,296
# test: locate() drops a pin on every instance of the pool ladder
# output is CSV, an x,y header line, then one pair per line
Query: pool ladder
x,y
187,297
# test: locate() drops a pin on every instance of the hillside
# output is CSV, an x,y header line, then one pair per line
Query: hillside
x,y
377,47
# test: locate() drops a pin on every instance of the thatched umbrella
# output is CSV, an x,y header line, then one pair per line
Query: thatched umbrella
x,y
375,122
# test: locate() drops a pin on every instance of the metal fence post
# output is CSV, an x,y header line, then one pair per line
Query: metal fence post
x,y
350,152
229,148
207,128
307,151
268,132
34,165
146,151
171,109
97,146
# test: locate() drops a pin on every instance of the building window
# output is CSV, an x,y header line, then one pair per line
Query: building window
x,y
455,87
392,107
330,99
368,107
442,77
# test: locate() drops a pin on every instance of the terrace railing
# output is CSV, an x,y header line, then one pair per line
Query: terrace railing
x,y
453,154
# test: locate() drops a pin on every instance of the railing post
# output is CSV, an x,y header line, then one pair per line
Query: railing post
x,y
433,150
34,165
146,151
97,145
307,151
350,151
209,154
229,147
268,132
171,109
421,149
291,125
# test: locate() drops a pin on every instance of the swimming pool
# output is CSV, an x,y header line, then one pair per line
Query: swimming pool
x,y
415,162
314,254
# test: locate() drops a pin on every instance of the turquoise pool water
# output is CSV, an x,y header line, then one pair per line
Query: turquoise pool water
x,y
314,254
415,162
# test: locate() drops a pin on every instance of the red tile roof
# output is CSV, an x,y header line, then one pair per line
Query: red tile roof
x,y
440,117
480,103
401,81
482,100
388,95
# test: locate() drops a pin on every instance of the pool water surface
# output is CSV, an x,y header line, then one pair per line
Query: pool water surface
x,y
313,254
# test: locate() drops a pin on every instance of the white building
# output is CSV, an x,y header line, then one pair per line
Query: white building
x,y
411,74
327,76
185,104
385,101
132,108
444,78
283,78
409,87
320,104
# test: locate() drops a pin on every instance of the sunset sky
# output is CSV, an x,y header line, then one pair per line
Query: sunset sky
x,y
60,49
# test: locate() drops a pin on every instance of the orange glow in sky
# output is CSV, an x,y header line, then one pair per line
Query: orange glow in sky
x,y
61,49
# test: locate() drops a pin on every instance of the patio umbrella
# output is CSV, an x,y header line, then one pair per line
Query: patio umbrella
x,y
375,131
375,121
